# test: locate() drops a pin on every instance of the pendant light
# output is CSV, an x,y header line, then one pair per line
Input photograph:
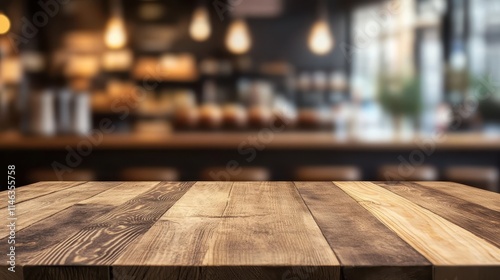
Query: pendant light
x,y
200,28
321,40
4,24
115,35
238,39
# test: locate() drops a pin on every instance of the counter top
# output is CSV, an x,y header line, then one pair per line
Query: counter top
x,y
233,140
253,230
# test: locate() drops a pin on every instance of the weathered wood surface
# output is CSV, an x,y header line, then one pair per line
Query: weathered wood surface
x,y
253,230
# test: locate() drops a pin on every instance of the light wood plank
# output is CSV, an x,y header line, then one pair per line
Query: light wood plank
x,y
39,208
241,230
38,189
484,198
440,241
481,221
271,224
364,245
102,241
183,234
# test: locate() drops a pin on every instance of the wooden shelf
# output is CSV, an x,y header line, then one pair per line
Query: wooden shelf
x,y
220,140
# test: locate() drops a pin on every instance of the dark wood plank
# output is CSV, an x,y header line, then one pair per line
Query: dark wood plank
x,y
467,272
43,234
365,247
66,273
262,272
102,241
484,198
481,221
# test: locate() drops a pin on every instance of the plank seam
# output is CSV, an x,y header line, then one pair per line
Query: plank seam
x,y
430,210
61,209
66,188
39,253
387,226
315,221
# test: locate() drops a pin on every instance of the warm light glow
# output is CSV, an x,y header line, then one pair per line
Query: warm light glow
x,y
200,28
116,36
4,24
238,39
321,40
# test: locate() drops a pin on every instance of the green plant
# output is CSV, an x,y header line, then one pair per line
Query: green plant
x,y
400,96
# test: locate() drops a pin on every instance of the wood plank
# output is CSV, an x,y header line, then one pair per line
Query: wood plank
x,y
365,247
43,235
481,221
120,194
101,242
484,198
440,241
38,189
184,231
244,231
39,208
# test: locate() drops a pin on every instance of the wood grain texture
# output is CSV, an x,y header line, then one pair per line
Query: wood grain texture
x,y
120,194
255,230
39,189
364,246
478,196
34,210
248,230
440,241
42,235
481,221
102,241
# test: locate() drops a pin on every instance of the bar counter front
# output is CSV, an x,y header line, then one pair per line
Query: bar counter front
x,y
251,230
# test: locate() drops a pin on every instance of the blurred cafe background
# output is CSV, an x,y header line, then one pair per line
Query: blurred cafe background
x,y
251,90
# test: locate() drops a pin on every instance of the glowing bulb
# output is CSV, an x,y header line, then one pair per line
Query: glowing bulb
x,y
200,28
321,40
238,39
4,24
116,36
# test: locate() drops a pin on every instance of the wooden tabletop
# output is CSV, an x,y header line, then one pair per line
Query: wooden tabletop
x,y
252,230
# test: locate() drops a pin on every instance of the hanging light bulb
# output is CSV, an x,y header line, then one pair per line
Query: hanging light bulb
x,y
115,36
321,40
200,28
238,40
4,24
